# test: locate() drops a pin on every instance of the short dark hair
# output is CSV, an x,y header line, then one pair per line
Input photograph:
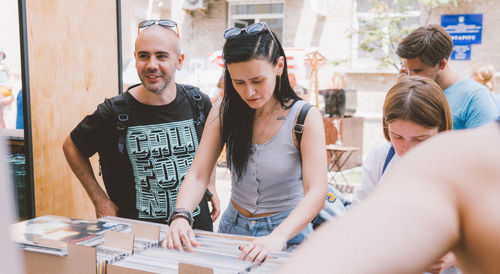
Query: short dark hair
x,y
430,43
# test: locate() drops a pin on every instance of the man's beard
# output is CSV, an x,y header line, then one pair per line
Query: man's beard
x,y
166,81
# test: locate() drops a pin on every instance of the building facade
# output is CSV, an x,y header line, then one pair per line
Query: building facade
x,y
331,27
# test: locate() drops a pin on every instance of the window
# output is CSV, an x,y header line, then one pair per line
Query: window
x,y
378,26
242,15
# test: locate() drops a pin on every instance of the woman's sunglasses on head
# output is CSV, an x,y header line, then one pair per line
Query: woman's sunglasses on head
x,y
163,22
254,28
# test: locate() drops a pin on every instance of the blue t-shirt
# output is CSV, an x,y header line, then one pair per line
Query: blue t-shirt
x,y
471,103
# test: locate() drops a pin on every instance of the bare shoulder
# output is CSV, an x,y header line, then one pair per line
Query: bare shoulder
x,y
315,113
478,185
462,148
467,159
466,165
312,112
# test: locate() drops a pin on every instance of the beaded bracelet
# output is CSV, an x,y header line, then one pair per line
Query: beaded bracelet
x,y
181,211
177,216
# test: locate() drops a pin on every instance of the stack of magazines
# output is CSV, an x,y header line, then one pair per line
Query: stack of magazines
x,y
52,234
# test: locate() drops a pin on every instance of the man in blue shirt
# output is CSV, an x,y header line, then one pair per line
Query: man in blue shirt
x,y
425,52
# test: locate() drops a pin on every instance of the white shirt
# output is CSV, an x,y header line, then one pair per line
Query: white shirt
x,y
372,169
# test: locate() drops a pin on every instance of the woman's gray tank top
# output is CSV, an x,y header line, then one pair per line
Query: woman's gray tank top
x,y
272,179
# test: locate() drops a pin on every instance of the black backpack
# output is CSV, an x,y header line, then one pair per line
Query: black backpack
x,y
120,111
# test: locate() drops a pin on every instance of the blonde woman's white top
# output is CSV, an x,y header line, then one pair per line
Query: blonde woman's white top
x,y
372,169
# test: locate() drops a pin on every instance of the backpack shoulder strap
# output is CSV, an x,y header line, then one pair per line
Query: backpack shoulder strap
x,y
195,98
197,105
299,125
120,110
388,158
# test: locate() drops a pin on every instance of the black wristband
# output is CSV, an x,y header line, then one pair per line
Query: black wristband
x,y
181,211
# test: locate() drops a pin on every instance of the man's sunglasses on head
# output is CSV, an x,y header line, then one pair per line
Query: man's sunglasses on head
x,y
163,22
254,28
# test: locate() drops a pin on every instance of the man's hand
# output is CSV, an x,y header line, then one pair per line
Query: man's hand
x,y
105,207
445,262
214,200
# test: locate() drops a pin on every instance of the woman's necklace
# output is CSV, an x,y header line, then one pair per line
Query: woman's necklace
x,y
267,116
261,131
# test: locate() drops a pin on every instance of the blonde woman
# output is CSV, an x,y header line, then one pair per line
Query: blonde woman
x,y
484,73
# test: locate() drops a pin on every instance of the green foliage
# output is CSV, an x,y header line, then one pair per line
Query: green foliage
x,y
437,3
380,33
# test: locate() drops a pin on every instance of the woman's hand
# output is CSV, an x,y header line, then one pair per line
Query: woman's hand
x,y
259,248
180,236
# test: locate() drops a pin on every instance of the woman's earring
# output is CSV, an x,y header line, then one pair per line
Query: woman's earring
x,y
279,83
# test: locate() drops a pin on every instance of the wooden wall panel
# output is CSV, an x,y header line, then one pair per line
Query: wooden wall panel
x,y
73,66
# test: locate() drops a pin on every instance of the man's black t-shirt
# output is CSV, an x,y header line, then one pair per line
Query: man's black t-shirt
x,y
160,145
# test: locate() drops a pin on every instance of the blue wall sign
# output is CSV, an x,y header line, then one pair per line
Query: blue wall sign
x,y
461,52
464,29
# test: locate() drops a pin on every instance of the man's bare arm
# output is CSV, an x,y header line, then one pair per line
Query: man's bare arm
x,y
83,170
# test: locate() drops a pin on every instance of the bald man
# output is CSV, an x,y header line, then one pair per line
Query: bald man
x,y
442,196
146,138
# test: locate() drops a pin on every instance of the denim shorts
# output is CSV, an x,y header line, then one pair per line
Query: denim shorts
x,y
233,222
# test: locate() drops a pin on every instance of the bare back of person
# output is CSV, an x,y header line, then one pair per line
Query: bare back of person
x,y
478,200
442,196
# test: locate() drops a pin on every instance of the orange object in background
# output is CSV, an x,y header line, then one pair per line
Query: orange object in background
x,y
5,91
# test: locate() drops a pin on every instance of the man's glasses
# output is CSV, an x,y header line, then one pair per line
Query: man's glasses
x,y
254,28
163,22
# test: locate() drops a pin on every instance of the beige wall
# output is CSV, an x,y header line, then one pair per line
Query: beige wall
x,y
73,67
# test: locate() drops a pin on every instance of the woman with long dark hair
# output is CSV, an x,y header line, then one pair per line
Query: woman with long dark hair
x,y
278,184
